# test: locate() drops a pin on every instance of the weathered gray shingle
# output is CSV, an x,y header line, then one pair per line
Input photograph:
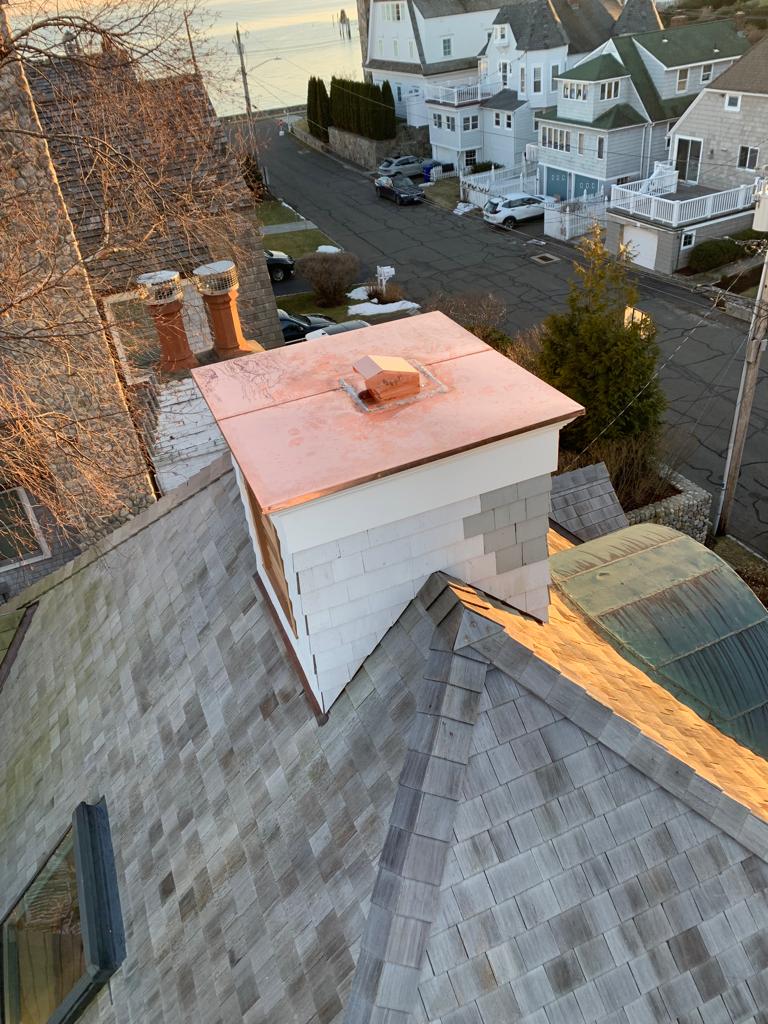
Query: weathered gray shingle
x,y
585,504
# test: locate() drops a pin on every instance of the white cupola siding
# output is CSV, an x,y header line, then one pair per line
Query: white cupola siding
x,y
359,497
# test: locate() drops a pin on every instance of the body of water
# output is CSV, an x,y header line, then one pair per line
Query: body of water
x,y
285,43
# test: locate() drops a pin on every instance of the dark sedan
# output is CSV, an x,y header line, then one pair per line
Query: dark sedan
x,y
399,189
280,265
295,326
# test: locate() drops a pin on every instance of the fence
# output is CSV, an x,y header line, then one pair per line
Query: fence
x,y
680,211
477,188
573,218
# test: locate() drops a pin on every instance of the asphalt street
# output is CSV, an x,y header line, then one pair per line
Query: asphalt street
x,y
433,250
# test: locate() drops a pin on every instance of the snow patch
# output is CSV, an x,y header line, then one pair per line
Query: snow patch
x,y
377,308
328,248
463,208
358,294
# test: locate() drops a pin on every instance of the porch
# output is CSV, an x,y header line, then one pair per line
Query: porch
x,y
664,200
459,95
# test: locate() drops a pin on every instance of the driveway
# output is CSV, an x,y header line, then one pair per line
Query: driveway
x,y
433,250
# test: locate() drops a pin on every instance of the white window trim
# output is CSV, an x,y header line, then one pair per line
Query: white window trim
x,y
749,149
730,96
496,119
689,138
508,123
522,80
540,69
45,551
692,241
687,73
443,41
709,77
600,138
554,71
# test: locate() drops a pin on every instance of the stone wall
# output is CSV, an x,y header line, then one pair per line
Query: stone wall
x,y
688,511
53,344
369,153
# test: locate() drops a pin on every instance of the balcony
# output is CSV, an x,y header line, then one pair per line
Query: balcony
x,y
661,198
459,95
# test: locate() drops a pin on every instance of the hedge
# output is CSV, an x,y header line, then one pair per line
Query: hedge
x,y
716,252
362,108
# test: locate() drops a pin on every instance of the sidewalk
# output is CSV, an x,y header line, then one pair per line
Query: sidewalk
x,y
293,225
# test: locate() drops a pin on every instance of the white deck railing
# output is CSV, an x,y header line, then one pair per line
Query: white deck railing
x,y
635,202
458,95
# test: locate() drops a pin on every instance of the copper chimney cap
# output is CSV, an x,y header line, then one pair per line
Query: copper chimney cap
x,y
216,278
388,377
160,286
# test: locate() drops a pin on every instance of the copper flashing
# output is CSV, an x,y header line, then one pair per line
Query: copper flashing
x,y
288,419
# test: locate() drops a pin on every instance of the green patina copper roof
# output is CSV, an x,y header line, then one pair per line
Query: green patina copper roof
x,y
676,610
694,44
599,69
620,116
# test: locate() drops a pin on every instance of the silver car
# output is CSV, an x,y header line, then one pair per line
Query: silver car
x,y
408,165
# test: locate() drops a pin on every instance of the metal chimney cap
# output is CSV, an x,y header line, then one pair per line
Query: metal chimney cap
x,y
216,278
160,286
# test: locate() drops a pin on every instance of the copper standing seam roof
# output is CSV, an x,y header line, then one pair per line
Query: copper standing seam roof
x,y
298,430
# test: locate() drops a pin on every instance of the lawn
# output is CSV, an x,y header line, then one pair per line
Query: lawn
x,y
296,243
752,569
443,193
304,302
273,212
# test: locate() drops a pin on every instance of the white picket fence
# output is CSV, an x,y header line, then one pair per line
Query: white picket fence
x,y
478,188
575,217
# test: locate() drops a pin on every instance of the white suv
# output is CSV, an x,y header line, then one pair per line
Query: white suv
x,y
506,211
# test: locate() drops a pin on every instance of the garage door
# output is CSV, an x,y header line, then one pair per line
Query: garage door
x,y
585,186
557,183
642,245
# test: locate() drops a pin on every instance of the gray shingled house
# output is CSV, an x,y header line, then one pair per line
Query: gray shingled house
x,y
502,819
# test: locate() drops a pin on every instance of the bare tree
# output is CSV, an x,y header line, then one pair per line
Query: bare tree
x,y
111,164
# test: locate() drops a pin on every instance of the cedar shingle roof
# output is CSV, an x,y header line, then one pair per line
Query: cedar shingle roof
x,y
749,73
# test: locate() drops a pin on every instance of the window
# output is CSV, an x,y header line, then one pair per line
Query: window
x,y
556,138
522,78
437,120
64,939
447,46
688,159
748,157
399,92
508,122
497,119
411,49
537,79
536,126
682,79
575,91
504,72
609,90
580,144
393,12
689,240
395,48
380,47
600,147
706,73
732,102
271,557
501,33
450,123
470,157
553,73
470,123
21,539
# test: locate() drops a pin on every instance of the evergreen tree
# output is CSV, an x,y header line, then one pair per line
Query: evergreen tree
x,y
312,119
389,119
323,109
602,359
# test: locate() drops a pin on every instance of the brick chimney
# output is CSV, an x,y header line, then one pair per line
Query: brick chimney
x,y
393,452
162,292
218,284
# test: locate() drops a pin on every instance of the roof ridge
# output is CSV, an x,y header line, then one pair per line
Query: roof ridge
x,y
404,903
627,739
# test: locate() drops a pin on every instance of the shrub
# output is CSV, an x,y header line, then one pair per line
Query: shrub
x,y
599,358
392,293
331,275
715,252
475,311
362,108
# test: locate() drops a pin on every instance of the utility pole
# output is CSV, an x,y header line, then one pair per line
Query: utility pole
x,y
756,342
191,47
244,75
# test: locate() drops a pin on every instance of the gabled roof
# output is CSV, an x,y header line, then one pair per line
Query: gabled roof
x,y
505,99
585,504
542,24
657,108
749,73
597,69
694,44
501,816
637,16
445,8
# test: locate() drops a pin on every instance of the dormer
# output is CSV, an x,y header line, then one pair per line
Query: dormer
x,y
590,89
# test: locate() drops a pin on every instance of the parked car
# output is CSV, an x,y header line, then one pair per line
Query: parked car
x,y
296,326
507,210
346,325
399,189
279,264
410,165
